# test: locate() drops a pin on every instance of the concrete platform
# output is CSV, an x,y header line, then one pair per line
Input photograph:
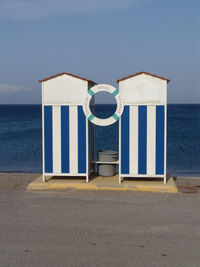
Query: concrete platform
x,y
104,183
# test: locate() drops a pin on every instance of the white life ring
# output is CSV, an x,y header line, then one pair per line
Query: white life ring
x,y
103,88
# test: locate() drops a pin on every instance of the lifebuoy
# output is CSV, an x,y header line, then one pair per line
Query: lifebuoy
x,y
103,88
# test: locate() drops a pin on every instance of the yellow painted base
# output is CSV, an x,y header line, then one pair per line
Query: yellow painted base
x,y
105,183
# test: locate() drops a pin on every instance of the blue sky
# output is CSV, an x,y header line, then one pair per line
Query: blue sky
x,y
100,40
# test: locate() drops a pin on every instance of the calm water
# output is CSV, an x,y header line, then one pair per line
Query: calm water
x,y
21,141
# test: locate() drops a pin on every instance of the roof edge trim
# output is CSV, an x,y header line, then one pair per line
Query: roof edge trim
x,y
143,72
62,73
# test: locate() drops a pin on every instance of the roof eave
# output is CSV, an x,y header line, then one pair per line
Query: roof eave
x,y
66,73
143,72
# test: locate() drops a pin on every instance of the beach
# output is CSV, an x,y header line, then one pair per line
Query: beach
x,y
97,228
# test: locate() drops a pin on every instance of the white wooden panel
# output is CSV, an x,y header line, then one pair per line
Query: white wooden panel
x,y
120,178
43,160
165,151
143,89
73,139
65,89
151,139
133,140
56,140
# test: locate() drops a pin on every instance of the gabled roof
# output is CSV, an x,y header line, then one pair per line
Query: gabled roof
x,y
143,72
70,74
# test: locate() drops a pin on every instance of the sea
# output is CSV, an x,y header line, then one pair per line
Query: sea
x,y
21,138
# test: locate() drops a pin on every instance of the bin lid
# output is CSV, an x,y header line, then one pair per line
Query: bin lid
x,y
108,152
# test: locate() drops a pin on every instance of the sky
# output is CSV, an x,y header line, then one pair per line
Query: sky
x,y
102,40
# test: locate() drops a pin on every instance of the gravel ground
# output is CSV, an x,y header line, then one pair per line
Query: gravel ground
x,y
188,185
93,228
16,180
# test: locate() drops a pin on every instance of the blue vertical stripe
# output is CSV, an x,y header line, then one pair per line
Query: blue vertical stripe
x,y
125,141
65,139
160,136
48,140
81,141
142,140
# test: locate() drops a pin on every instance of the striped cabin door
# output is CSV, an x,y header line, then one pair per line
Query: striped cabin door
x,y
64,140
142,140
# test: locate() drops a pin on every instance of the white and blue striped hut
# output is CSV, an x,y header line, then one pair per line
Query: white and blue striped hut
x,y
68,125
66,131
143,126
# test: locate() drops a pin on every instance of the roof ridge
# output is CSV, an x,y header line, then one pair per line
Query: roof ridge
x,y
62,73
142,72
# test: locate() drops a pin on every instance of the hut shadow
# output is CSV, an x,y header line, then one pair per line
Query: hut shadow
x,y
95,175
147,178
65,178
142,179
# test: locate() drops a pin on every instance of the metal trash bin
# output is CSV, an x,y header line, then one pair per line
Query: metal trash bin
x,y
107,156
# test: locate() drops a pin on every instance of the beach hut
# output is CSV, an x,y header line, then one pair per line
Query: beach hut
x,y
68,120
67,135
143,126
